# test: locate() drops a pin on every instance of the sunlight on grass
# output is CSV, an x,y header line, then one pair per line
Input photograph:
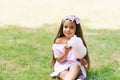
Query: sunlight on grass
x,y
25,53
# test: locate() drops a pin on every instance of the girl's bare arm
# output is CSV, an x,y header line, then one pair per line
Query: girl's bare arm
x,y
63,56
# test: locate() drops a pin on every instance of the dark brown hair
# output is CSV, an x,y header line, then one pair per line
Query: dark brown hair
x,y
78,33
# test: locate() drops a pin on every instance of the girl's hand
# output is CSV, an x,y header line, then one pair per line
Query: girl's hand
x,y
67,48
83,61
63,56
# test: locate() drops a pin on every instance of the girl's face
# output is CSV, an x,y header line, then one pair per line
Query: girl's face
x,y
69,28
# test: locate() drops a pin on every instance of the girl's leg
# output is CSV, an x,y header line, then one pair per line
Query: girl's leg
x,y
63,74
74,70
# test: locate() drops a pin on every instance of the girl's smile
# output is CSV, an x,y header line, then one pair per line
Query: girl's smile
x,y
69,28
66,67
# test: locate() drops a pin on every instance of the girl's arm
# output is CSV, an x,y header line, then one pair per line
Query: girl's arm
x,y
63,56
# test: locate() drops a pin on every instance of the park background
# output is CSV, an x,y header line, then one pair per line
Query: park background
x,y
28,28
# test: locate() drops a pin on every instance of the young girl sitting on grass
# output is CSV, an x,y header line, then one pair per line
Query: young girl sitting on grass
x,y
66,65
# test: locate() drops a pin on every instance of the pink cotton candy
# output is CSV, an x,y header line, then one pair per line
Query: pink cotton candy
x,y
78,47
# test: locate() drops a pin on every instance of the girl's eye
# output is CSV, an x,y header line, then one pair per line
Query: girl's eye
x,y
65,26
71,27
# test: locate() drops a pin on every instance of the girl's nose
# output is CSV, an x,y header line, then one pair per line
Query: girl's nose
x,y
68,29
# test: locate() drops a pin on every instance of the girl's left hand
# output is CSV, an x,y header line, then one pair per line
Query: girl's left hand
x,y
83,61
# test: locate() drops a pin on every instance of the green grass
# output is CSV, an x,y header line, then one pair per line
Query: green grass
x,y
104,51
25,53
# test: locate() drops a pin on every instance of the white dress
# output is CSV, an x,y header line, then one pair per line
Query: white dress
x,y
59,67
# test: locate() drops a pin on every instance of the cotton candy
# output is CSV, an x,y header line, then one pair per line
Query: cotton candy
x,y
78,47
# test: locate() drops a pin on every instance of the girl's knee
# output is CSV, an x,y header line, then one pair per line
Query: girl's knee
x,y
76,66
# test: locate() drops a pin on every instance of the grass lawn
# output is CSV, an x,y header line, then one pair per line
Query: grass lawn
x,y
25,53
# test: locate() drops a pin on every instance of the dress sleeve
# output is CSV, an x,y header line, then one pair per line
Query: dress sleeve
x,y
56,51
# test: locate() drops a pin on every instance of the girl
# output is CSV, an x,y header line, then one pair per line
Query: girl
x,y
66,66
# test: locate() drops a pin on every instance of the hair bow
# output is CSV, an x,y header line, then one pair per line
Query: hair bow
x,y
72,18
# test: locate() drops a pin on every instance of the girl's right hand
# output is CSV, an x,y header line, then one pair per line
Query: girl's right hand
x,y
67,48
63,56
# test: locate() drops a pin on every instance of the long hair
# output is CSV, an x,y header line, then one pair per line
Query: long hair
x,y
78,33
